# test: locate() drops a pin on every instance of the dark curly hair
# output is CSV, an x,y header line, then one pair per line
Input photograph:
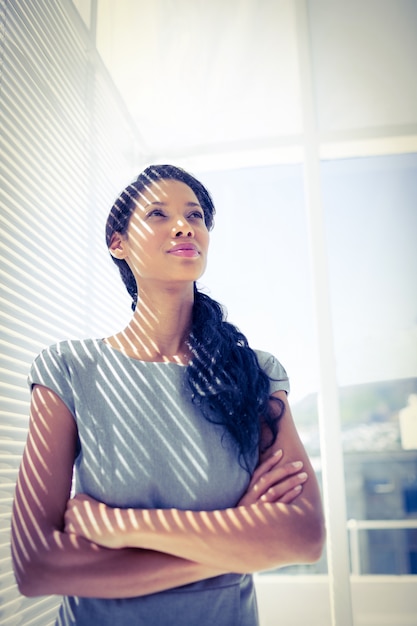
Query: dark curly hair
x,y
224,375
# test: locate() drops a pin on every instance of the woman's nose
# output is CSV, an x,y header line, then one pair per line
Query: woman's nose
x,y
182,229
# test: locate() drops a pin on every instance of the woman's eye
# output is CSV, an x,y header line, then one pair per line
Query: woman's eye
x,y
156,213
197,214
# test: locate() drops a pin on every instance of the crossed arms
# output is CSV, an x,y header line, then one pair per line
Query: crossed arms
x,y
82,547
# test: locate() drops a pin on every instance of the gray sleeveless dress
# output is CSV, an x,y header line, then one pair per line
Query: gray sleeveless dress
x,y
143,444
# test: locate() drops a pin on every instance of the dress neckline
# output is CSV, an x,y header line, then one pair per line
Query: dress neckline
x,y
132,358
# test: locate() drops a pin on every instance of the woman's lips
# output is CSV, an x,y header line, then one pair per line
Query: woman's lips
x,y
186,250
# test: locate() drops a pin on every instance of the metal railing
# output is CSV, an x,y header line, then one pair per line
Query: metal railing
x,y
354,526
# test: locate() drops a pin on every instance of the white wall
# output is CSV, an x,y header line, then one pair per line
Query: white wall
x,y
301,601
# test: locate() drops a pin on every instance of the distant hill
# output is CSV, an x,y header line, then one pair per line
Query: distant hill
x,y
369,402
369,415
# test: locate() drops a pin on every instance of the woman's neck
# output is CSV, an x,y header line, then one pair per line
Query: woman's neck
x,y
159,328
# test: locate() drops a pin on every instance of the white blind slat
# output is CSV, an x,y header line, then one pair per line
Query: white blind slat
x,y
60,162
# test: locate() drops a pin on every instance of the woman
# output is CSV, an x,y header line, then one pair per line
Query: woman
x,y
189,473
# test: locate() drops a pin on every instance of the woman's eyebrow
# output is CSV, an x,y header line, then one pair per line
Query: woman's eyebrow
x,y
161,203
155,203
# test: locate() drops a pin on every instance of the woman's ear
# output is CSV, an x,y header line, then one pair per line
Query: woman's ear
x,y
118,247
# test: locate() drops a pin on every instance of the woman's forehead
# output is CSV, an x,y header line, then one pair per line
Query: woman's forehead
x,y
163,191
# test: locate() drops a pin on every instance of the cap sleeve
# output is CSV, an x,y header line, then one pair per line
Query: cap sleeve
x,y
50,369
276,372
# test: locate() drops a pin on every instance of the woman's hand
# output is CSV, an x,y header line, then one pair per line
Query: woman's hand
x,y
272,482
94,521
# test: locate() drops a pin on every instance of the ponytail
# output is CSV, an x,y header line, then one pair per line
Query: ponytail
x,y
226,380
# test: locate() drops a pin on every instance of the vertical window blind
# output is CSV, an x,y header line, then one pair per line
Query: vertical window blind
x,y
67,147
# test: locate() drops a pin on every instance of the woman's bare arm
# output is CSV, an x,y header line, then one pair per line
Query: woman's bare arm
x,y
47,560
247,538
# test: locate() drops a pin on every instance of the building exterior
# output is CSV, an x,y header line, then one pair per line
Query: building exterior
x,y
383,486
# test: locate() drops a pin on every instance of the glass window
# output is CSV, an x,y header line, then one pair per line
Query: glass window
x,y
371,222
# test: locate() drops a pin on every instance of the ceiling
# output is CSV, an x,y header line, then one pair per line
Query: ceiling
x,y
203,77
199,75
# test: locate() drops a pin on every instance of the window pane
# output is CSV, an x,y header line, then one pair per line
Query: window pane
x,y
259,267
371,220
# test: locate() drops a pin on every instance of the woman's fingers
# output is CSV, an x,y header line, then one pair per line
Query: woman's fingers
x,y
285,490
272,482
275,475
266,466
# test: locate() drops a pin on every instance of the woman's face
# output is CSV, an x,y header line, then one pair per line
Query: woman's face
x,y
167,238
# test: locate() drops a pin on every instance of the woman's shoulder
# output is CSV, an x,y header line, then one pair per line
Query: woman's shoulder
x,y
73,347
66,353
63,366
274,369
266,359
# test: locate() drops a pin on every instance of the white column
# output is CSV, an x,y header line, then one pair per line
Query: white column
x,y
328,404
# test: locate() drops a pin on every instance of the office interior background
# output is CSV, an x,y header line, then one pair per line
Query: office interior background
x,y
300,116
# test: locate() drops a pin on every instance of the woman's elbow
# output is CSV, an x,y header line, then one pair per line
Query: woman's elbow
x,y
25,577
32,571
306,539
315,538
28,580
314,551
27,588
